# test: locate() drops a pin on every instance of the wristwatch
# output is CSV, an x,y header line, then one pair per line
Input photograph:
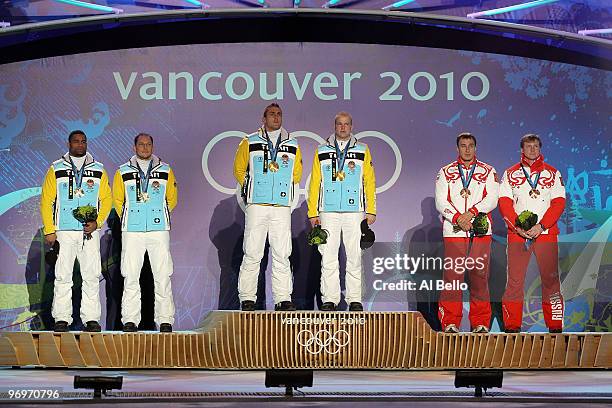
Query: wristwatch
x,y
542,225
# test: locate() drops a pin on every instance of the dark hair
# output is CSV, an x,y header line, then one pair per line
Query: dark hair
x,y
142,134
76,132
531,137
270,106
466,135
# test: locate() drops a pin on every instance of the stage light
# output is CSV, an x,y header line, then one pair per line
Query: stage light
x,y
4,24
92,6
479,380
397,4
290,379
331,3
198,3
508,9
596,31
99,384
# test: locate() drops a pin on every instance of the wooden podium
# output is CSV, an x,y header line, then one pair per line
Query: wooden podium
x,y
308,340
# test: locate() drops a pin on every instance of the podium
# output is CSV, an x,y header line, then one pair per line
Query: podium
x,y
308,340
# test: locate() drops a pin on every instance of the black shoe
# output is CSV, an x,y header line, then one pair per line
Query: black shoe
x,y
130,327
554,331
512,330
92,326
60,326
328,307
165,328
355,307
247,306
284,306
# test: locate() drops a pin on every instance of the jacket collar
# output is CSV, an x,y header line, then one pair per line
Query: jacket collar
x,y
460,162
538,164
284,135
331,141
156,161
88,158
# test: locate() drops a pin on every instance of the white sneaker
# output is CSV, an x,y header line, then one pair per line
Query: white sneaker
x,y
451,328
481,329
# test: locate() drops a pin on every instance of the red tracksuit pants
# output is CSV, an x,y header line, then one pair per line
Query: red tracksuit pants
x,y
547,255
450,306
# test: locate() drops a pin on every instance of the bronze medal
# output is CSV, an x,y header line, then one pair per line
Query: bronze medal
x,y
273,166
534,193
465,193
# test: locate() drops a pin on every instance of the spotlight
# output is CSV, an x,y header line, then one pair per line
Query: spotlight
x,y
99,384
479,380
290,379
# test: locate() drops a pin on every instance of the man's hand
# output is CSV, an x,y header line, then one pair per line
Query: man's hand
x,y
465,221
535,231
522,233
90,227
315,221
50,238
370,219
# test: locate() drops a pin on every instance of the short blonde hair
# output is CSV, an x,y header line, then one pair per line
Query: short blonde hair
x,y
343,114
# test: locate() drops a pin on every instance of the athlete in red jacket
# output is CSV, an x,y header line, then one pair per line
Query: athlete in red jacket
x,y
535,186
464,188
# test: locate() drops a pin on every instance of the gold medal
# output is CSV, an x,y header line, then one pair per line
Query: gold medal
x,y
465,193
534,193
340,175
273,166
144,197
79,192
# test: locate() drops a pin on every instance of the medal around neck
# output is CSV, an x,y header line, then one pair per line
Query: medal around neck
x,y
144,197
273,166
340,176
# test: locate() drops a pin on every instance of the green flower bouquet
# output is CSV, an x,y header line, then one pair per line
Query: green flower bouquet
x,y
317,236
85,214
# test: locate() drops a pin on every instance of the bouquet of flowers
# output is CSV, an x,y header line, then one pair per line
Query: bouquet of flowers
x,y
85,214
317,236
480,225
525,221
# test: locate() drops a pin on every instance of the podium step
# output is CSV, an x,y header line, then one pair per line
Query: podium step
x,y
308,340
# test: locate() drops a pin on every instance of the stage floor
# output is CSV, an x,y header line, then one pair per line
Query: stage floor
x,y
187,388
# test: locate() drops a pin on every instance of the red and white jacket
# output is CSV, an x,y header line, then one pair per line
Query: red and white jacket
x,y
484,192
514,195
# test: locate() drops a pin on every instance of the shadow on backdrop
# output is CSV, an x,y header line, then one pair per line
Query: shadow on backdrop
x,y
425,239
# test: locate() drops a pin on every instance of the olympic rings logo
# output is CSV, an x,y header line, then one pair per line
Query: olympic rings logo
x,y
235,190
323,340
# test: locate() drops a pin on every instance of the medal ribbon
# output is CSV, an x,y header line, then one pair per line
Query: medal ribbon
x,y
533,184
144,178
78,174
273,149
341,154
464,181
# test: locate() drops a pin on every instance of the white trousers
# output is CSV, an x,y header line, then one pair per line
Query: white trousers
x,y
275,223
346,227
73,246
133,248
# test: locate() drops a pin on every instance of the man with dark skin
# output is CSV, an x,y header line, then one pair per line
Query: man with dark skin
x,y
73,181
